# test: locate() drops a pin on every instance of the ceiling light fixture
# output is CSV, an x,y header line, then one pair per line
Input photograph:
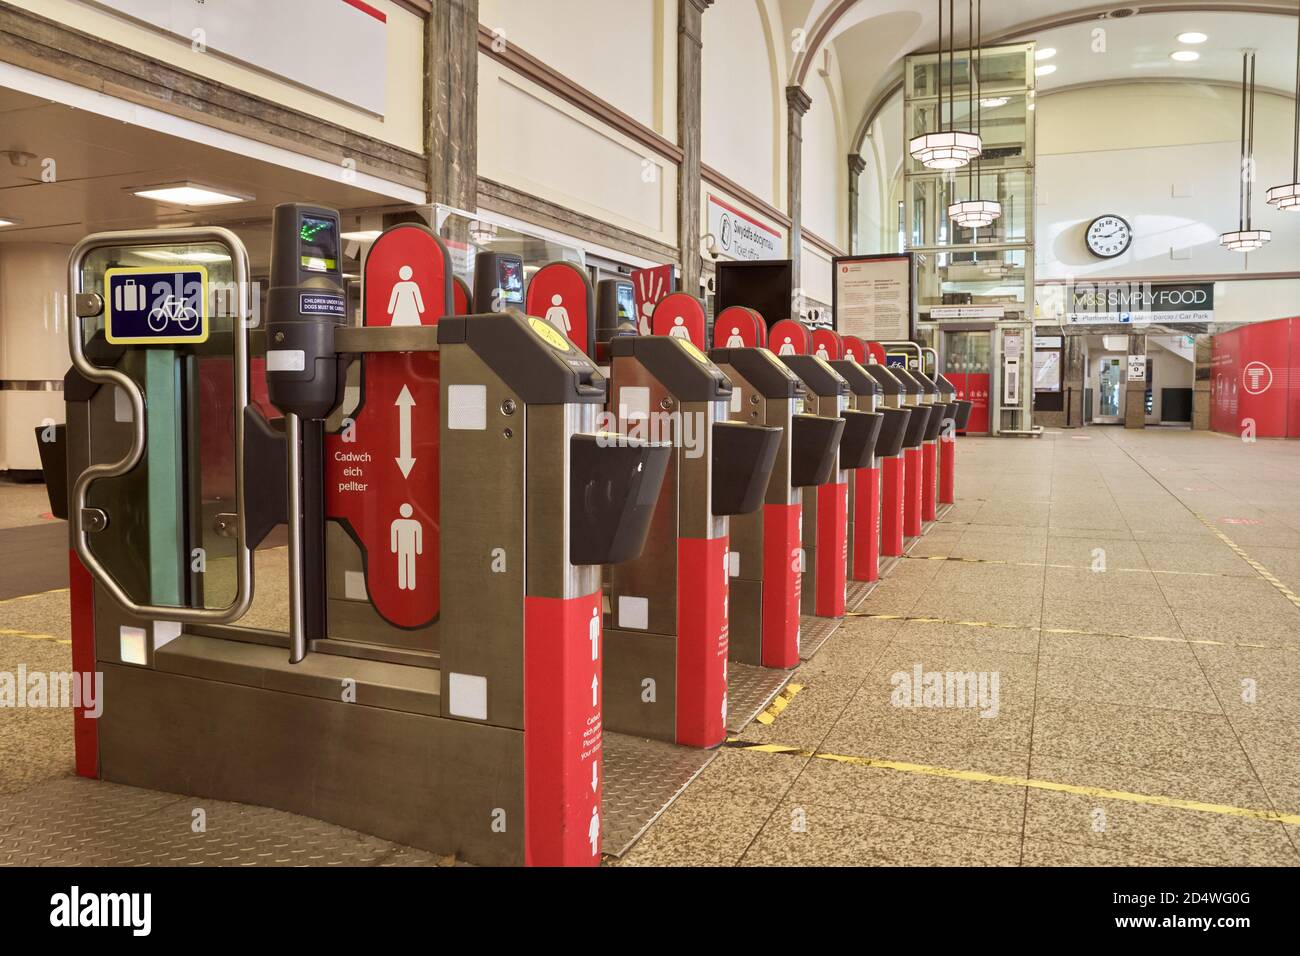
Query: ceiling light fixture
x,y
1185,56
361,235
946,148
1192,37
9,221
975,212
187,194
1245,237
1287,197
993,102
1046,53
1045,70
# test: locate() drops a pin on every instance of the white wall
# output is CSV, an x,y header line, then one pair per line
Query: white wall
x,y
33,344
1164,156
825,159
624,52
742,97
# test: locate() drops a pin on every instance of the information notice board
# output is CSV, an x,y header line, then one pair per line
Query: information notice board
x,y
872,297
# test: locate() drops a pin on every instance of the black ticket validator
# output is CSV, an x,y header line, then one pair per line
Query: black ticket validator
x,y
305,377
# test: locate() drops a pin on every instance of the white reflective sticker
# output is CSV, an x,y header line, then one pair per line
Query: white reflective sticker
x,y
467,407
735,400
285,360
131,645
467,696
633,403
733,563
354,585
633,612
121,404
164,632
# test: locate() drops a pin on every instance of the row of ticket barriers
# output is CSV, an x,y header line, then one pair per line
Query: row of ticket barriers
x,y
506,535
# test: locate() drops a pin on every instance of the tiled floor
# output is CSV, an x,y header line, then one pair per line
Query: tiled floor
x,y
1117,584
1148,677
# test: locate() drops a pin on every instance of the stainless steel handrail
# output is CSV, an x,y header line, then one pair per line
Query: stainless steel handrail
x,y
111,376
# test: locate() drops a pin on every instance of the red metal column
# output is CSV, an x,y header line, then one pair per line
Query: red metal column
x,y
891,506
912,492
929,477
866,525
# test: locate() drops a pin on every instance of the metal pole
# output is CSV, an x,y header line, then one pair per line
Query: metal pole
x,y
297,633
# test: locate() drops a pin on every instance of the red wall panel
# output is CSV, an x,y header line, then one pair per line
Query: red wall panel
x,y
1254,377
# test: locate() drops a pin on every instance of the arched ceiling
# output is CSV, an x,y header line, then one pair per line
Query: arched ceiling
x,y
870,39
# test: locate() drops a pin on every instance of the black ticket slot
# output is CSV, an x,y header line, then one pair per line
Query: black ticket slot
x,y
815,440
743,456
304,376
613,490
858,444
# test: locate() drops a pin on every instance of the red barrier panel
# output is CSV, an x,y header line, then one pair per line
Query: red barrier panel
x,y
561,293
781,585
1252,369
680,316
947,470
562,731
832,548
929,481
702,584
912,492
891,506
737,327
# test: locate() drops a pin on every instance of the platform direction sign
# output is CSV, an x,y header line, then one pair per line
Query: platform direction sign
x,y
382,466
156,305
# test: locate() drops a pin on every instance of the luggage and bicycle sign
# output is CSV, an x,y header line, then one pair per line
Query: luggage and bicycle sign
x,y
156,305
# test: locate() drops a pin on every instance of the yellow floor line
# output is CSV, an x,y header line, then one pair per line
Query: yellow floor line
x,y
10,632
1263,572
779,703
996,625
28,597
974,776
1067,567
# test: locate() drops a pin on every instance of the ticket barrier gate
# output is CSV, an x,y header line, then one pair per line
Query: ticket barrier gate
x,y
863,536
913,454
667,640
486,742
961,410
935,429
766,548
825,505
900,393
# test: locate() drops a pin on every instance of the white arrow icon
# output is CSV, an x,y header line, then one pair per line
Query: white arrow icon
x,y
595,689
404,459
594,778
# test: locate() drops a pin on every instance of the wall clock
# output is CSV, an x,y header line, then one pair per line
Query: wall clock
x,y
1109,236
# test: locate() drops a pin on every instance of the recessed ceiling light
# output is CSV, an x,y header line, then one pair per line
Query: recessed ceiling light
x,y
7,221
1046,53
1045,69
1184,56
188,194
993,102
1192,37
363,235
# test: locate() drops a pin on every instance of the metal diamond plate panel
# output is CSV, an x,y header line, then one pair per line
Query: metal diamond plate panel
x,y
72,821
857,592
813,632
642,777
750,688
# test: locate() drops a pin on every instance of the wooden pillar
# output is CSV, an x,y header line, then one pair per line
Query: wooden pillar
x,y
1135,393
451,103
690,47
798,103
857,165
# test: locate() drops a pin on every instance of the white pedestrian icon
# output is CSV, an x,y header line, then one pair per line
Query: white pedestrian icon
x,y
593,633
734,341
822,353
787,347
405,304
558,315
406,541
593,830
679,330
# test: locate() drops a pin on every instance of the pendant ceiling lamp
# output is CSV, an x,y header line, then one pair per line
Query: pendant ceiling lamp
x,y
947,148
1245,238
1288,197
975,212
